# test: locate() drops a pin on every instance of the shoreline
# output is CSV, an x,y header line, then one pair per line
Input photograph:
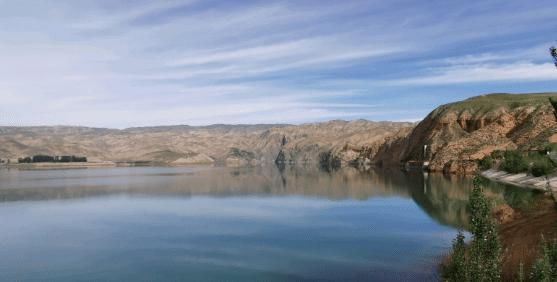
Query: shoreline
x,y
33,166
103,164
522,180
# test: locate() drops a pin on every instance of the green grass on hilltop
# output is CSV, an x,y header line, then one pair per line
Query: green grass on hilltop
x,y
485,103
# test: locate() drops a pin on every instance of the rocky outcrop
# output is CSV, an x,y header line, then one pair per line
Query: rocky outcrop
x,y
193,159
335,142
459,134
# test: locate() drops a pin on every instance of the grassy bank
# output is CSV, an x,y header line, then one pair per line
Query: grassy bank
x,y
490,102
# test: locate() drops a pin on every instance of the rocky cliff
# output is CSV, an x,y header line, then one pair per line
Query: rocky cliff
x,y
454,136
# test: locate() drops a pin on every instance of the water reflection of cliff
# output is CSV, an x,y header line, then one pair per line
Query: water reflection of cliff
x,y
441,197
445,198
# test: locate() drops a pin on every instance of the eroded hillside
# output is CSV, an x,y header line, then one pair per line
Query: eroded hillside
x,y
224,144
459,134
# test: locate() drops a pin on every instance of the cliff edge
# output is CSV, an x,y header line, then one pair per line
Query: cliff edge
x,y
453,137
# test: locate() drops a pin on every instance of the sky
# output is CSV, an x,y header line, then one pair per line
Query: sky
x,y
118,64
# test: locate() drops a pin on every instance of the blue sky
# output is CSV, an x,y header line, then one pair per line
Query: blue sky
x,y
137,63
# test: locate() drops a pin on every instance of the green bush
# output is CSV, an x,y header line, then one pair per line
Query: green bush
x,y
514,162
457,269
514,105
551,147
545,267
542,166
537,164
486,163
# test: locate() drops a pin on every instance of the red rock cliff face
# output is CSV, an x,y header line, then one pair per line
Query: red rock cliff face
x,y
459,134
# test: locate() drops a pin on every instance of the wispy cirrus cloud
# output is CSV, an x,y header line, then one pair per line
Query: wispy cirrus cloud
x,y
128,63
475,73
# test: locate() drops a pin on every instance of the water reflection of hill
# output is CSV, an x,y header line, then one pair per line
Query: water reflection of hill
x,y
443,198
219,182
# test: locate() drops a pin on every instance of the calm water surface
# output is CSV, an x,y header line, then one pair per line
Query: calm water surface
x,y
230,224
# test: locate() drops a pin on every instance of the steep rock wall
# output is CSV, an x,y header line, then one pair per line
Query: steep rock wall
x,y
459,134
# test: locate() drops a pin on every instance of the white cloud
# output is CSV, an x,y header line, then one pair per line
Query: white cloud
x,y
115,65
106,19
521,71
538,52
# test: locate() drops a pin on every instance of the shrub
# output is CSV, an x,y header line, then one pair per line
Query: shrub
x,y
514,162
551,147
456,270
542,166
486,163
514,105
545,267
24,160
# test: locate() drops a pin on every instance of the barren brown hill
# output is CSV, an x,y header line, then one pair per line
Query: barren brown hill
x,y
226,144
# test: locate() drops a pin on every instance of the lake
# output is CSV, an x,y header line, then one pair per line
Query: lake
x,y
231,224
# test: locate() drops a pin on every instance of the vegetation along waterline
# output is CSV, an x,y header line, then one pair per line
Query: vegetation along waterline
x,y
505,244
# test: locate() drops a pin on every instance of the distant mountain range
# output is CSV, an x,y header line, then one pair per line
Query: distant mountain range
x,y
456,135
222,144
